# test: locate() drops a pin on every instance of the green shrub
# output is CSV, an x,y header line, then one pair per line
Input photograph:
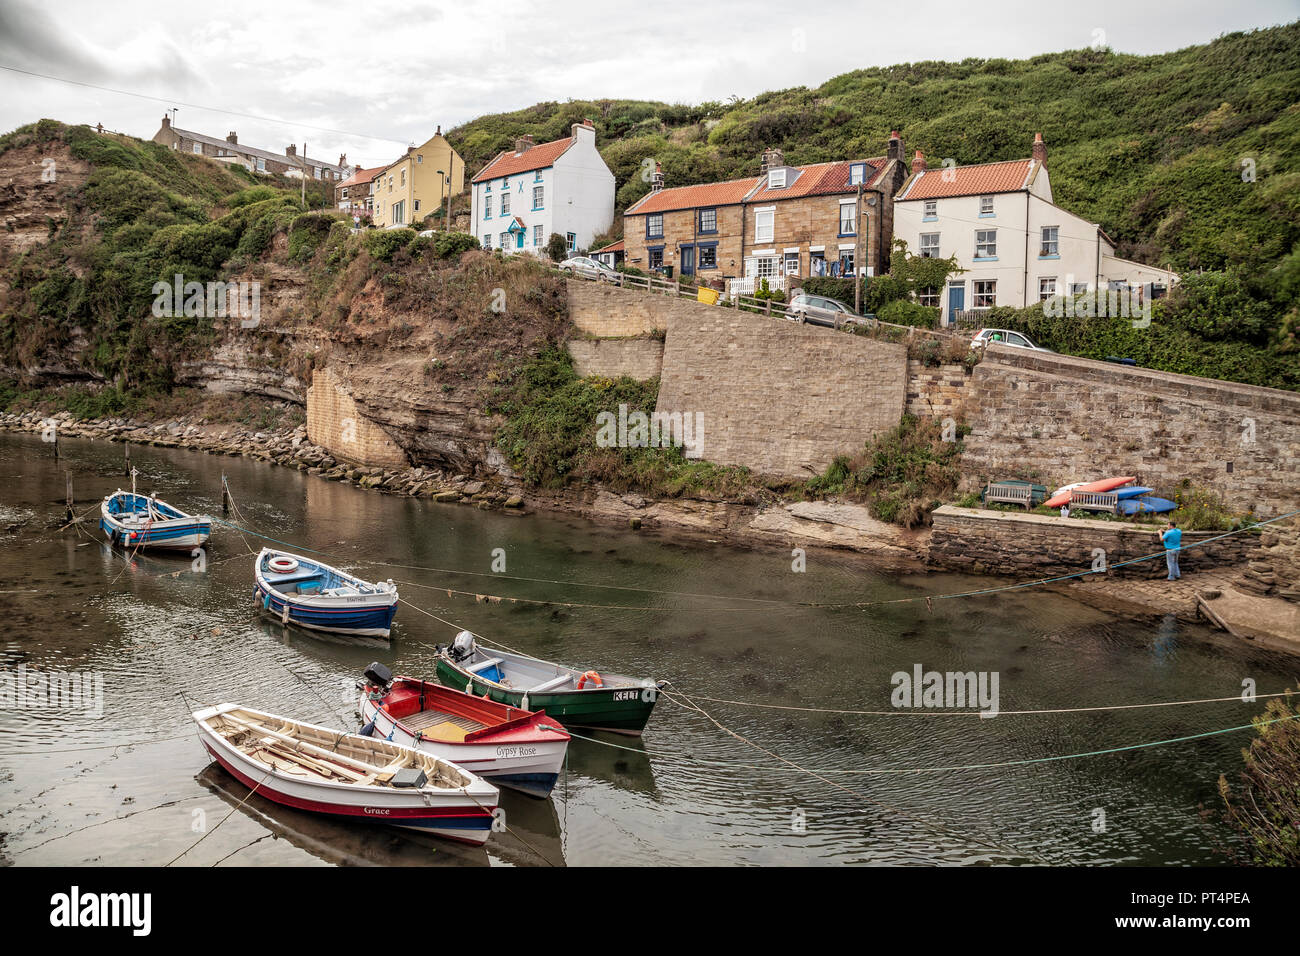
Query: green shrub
x,y
382,244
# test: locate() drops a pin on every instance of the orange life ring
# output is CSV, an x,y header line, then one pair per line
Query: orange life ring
x,y
595,679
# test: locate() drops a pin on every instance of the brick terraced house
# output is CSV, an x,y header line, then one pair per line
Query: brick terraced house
x,y
229,150
784,224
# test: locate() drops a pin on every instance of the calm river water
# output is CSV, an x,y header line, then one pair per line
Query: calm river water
x,y
686,792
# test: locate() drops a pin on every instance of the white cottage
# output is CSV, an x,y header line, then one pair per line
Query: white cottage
x,y
526,194
1018,247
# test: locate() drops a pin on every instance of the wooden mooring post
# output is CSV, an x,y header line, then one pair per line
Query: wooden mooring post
x,y
70,514
127,449
225,495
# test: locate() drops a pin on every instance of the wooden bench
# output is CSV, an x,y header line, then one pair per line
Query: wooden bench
x,y
1094,501
551,684
998,493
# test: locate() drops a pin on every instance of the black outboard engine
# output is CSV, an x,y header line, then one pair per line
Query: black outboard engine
x,y
378,676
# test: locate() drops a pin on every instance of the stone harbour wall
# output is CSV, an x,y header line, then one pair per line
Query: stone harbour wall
x,y
1006,542
1056,419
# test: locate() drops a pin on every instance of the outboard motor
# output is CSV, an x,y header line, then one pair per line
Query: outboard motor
x,y
378,676
463,646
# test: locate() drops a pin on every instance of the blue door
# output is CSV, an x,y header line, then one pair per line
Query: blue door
x,y
519,239
956,302
688,260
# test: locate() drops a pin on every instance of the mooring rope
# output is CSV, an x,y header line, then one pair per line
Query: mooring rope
x,y
771,603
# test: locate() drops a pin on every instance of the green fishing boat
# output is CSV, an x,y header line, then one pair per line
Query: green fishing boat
x,y
587,699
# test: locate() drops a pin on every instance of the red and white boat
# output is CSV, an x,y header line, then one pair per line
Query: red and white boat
x,y
507,746
309,767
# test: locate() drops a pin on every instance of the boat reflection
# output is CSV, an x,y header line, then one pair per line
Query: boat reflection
x,y
340,843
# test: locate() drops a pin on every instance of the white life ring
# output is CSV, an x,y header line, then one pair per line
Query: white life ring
x,y
282,564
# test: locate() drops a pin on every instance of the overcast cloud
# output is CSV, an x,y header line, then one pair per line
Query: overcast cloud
x,y
388,72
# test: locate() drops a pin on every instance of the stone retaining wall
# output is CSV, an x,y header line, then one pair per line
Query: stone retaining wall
x,y
641,358
334,422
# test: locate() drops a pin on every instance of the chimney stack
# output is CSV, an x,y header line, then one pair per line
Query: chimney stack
x,y
772,158
524,143
586,128
1040,150
232,138
343,159
657,181
918,163
291,150
895,148
167,122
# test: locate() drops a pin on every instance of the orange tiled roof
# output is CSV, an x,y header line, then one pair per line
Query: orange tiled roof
x,y
979,180
362,176
820,179
728,193
612,247
508,162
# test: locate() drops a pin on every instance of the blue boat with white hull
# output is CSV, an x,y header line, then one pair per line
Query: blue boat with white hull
x,y
313,595
142,521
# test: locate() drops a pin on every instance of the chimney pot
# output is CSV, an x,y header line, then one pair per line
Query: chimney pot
x,y
918,162
895,148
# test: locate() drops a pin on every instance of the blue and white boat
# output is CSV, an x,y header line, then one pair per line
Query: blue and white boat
x,y
310,594
142,521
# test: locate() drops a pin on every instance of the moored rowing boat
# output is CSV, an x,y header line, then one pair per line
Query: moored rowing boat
x,y
309,767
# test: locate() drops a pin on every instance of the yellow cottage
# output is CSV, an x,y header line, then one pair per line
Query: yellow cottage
x,y
417,184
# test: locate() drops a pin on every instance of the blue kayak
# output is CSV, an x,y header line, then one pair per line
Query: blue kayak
x,y
1149,505
1131,491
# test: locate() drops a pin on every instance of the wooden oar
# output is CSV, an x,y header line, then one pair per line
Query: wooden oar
x,y
296,744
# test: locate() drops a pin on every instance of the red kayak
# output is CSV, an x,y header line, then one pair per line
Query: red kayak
x,y
1105,484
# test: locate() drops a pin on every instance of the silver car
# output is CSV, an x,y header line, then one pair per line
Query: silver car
x,y
822,310
588,267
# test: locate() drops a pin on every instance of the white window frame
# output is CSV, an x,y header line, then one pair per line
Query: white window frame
x,y
986,239
1046,287
505,202
930,209
1050,247
986,205
539,238
776,178
852,206
989,293
929,250
766,215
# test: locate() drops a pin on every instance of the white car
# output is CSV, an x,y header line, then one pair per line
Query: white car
x,y
1004,337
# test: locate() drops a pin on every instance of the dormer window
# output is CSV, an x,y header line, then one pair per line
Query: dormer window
x,y
776,178
857,174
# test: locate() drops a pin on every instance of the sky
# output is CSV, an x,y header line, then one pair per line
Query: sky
x,y
381,74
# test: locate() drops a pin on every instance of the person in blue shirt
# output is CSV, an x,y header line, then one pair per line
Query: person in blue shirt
x,y
1172,539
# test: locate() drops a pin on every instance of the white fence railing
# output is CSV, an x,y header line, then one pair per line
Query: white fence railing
x,y
748,285
656,285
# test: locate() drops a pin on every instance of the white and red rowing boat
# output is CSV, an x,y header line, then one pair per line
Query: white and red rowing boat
x,y
309,767
510,747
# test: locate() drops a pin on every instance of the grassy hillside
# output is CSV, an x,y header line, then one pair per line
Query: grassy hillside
x,y
1149,146
142,214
